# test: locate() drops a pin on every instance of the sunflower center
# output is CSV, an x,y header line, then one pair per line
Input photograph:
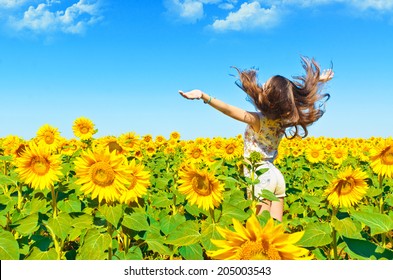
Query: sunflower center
x,y
196,153
262,250
346,186
49,137
230,149
102,174
39,165
387,156
339,154
315,154
84,130
201,185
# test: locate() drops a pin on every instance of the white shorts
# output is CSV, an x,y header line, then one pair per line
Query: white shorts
x,y
271,180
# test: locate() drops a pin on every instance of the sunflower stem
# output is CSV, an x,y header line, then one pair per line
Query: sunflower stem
x,y
381,207
211,210
381,202
20,197
334,235
54,201
110,232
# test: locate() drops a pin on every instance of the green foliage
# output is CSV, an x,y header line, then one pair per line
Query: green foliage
x,y
164,225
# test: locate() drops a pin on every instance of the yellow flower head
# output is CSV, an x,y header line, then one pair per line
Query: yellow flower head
x,y
382,159
254,242
348,188
175,135
103,174
315,153
49,136
38,167
129,140
140,181
83,128
339,154
200,187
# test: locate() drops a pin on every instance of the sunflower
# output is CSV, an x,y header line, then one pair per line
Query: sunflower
x,y
195,152
254,242
129,140
69,147
140,181
38,167
102,173
10,144
339,154
112,143
200,187
175,135
49,136
348,188
231,149
83,128
314,153
382,159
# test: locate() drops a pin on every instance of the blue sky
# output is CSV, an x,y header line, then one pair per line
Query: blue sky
x,y
121,63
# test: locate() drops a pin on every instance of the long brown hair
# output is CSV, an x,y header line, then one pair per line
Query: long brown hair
x,y
297,104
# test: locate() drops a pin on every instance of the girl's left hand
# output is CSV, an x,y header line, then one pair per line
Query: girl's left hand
x,y
193,94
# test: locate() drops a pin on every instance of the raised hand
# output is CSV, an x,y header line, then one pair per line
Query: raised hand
x,y
193,94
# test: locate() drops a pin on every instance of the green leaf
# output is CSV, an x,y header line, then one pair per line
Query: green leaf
x,y
6,158
363,249
192,252
171,222
136,221
313,201
94,246
316,235
27,225
134,253
36,205
73,204
209,232
296,208
346,227
37,254
185,234
9,248
60,225
155,243
82,221
6,180
378,223
161,201
231,211
266,194
111,213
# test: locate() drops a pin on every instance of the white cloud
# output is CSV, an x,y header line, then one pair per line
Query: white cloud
x,y
47,17
379,5
249,16
11,3
262,14
188,10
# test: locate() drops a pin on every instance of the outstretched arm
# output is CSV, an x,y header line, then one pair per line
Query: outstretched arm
x,y
234,112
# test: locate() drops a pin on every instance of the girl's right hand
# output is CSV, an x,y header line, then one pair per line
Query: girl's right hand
x,y
193,94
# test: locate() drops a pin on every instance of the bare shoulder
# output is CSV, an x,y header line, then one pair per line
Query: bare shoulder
x,y
252,118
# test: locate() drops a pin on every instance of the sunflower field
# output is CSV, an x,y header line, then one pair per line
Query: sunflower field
x,y
143,198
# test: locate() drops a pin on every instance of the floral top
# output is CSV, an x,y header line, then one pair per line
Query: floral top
x,y
265,141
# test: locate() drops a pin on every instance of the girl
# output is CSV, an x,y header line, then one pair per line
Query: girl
x,y
281,104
